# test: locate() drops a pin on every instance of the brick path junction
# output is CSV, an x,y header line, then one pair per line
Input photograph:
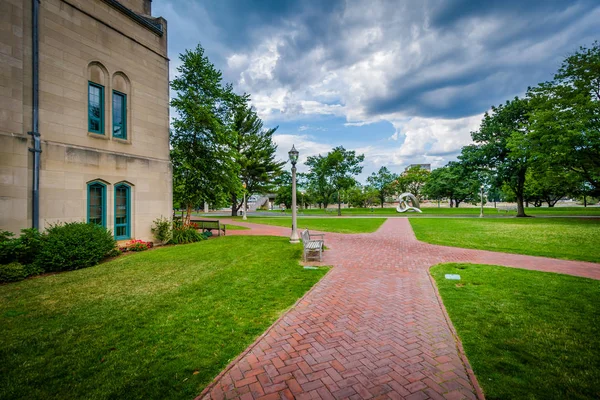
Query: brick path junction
x,y
373,327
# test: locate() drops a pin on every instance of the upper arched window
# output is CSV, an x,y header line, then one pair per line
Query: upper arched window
x,y
120,106
97,79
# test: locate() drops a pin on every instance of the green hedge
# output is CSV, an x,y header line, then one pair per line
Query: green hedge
x,y
74,245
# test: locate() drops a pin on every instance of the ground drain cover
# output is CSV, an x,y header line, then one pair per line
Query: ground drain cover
x,y
455,277
307,267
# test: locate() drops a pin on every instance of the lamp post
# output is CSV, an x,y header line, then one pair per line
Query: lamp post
x,y
481,195
244,206
293,153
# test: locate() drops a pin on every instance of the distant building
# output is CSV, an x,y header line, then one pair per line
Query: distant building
x,y
103,115
424,166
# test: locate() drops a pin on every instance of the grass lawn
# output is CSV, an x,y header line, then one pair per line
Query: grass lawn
x,y
428,211
235,227
153,325
339,225
567,238
527,334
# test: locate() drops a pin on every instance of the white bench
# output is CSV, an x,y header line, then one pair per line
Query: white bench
x,y
312,245
507,208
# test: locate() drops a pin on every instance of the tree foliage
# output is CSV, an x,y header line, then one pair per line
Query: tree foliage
x,y
455,181
333,173
203,161
566,116
383,182
413,180
254,152
501,148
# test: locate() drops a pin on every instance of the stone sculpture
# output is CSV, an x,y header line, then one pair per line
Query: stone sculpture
x,y
408,202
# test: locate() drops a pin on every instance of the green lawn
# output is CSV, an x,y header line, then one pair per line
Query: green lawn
x,y
235,227
527,334
559,211
567,238
153,325
339,225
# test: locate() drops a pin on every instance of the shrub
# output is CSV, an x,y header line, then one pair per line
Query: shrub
x,y
23,249
74,245
186,234
162,229
12,272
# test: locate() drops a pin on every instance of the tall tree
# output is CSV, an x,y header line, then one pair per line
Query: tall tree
x,y
203,163
566,116
254,151
455,181
502,148
333,173
413,179
383,181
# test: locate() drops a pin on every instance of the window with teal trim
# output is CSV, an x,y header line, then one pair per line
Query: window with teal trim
x,y
122,212
96,204
95,108
119,110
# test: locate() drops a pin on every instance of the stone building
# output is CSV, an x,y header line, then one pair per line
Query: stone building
x,y
102,76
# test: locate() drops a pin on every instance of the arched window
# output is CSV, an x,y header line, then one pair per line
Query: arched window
x,y
120,106
97,80
96,203
122,211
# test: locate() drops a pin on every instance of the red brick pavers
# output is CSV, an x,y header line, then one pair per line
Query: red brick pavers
x,y
372,328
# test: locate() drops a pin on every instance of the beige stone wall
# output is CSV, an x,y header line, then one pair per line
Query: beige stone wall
x,y
82,40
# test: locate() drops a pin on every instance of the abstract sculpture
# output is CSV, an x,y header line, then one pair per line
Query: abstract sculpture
x,y
408,202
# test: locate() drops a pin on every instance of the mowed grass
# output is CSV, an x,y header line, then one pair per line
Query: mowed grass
x,y
566,238
154,325
338,225
445,211
527,334
235,227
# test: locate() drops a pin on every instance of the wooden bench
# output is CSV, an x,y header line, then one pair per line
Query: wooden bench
x,y
210,224
506,209
312,245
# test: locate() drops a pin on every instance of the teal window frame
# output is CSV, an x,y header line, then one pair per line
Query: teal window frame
x,y
123,110
102,186
127,225
90,116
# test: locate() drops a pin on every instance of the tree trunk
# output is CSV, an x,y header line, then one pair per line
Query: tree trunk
x,y
382,200
584,200
456,203
520,208
339,205
234,206
188,214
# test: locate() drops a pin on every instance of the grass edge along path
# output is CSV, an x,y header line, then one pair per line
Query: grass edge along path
x,y
563,238
334,225
159,324
527,334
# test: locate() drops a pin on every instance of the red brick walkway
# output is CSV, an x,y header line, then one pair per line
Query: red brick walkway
x,y
372,328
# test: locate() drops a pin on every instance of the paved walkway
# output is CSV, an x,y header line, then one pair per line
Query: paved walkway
x,y
373,327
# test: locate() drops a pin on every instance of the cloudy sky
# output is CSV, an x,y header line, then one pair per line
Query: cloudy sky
x,y
399,81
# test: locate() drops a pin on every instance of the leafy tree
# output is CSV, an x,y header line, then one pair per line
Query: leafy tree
x,y
203,162
412,180
502,148
550,185
566,116
333,173
383,182
254,151
362,196
283,184
455,181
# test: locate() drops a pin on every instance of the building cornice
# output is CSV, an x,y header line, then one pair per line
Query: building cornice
x,y
155,27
